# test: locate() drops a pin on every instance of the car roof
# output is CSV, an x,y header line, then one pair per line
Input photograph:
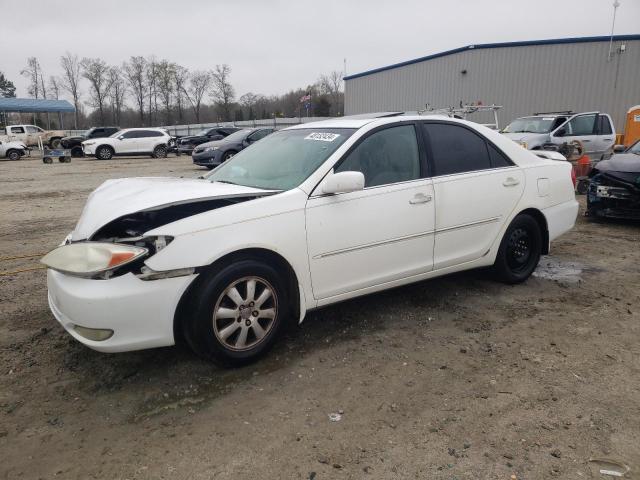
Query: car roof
x,y
359,121
158,129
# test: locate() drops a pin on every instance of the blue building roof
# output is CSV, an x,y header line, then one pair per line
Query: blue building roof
x,y
34,105
554,41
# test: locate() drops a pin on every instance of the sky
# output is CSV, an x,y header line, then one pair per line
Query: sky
x,y
274,46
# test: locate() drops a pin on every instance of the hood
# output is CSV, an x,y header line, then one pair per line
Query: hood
x,y
14,144
214,143
621,162
74,137
526,137
116,198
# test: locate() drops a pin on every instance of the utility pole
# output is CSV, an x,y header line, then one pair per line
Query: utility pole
x,y
616,4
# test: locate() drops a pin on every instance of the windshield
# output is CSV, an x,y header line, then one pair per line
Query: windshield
x,y
282,160
201,133
530,125
88,132
635,148
239,135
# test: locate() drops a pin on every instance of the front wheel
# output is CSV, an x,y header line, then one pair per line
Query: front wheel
x,y
237,313
228,155
14,155
160,152
104,153
519,251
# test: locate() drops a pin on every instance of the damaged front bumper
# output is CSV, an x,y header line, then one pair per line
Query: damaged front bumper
x,y
612,197
139,313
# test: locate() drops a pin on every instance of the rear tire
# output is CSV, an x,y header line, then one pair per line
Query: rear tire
x,y
237,313
519,251
160,152
104,153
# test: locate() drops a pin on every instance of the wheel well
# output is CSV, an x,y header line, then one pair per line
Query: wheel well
x,y
269,257
542,223
12,150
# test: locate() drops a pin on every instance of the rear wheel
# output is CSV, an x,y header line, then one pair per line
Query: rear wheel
x,y
237,313
160,152
104,153
519,251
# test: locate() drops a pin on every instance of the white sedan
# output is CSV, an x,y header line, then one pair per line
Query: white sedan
x,y
311,215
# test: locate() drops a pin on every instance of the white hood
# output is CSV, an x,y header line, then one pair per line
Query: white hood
x,y
531,139
115,198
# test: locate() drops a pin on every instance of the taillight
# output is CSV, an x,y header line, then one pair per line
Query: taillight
x,y
573,176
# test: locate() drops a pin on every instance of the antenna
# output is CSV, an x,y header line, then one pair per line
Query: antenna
x,y
616,4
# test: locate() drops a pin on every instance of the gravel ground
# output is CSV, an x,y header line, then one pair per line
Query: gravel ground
x,y
453,378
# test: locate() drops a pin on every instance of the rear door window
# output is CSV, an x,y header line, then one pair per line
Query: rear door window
x,y
604,125
582,125
456,149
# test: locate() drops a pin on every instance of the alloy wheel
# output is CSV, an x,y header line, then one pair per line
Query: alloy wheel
x,y
245,313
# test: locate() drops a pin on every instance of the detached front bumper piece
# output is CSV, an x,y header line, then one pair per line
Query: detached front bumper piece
x,y
120,314
611,198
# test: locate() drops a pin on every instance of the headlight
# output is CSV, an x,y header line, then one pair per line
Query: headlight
x,y
211,149
87,259
88,143
523,144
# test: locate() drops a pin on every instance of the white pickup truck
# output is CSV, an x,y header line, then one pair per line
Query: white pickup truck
x,y
12,150
28,134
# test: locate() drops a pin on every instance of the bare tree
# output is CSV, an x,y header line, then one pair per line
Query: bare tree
x,y
222,91
331,85
165,82
152,85
33,72
71,80
249,101
134,73
199,83
54,87
117,92
180,78
97,72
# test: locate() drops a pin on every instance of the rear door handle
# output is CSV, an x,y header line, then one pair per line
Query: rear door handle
x,y
420,198
511,182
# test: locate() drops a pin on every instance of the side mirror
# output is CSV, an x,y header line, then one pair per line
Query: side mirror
x,y
121,137
343,182
619,148
560,133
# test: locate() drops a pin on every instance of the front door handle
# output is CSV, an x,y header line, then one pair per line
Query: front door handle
x,y
511,182
420,198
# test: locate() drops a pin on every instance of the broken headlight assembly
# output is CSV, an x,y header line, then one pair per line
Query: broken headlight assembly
x,y
102,260
92,259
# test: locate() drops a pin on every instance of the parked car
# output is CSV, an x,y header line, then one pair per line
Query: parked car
x,y
614,185
130,141
74,143
186,144
311,215
12,150
212,154
593,129
29,134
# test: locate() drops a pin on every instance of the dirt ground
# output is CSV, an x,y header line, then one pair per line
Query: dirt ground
x,y
453,378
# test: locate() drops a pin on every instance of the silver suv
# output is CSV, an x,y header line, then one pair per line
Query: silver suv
x,y
593,129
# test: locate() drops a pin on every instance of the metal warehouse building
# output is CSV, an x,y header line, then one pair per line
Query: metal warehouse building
x,y
576,74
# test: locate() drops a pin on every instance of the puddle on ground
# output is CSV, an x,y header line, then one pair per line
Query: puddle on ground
x,y
552,268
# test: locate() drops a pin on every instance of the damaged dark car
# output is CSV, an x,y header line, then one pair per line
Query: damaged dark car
x,y
614,186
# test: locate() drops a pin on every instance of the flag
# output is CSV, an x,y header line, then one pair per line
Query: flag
x,y
305,98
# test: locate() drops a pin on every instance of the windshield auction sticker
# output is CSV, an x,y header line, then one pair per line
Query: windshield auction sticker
x,y
323,137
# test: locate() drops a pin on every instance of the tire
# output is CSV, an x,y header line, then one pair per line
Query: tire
x,y
13,155
77,152
222,325
160,152
55,143
47,160
519,251
228,154
104,153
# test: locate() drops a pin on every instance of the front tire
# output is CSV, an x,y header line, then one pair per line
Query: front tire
x,y
14,155
228,155
519,251
55,143
160,152
237,313
104,153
